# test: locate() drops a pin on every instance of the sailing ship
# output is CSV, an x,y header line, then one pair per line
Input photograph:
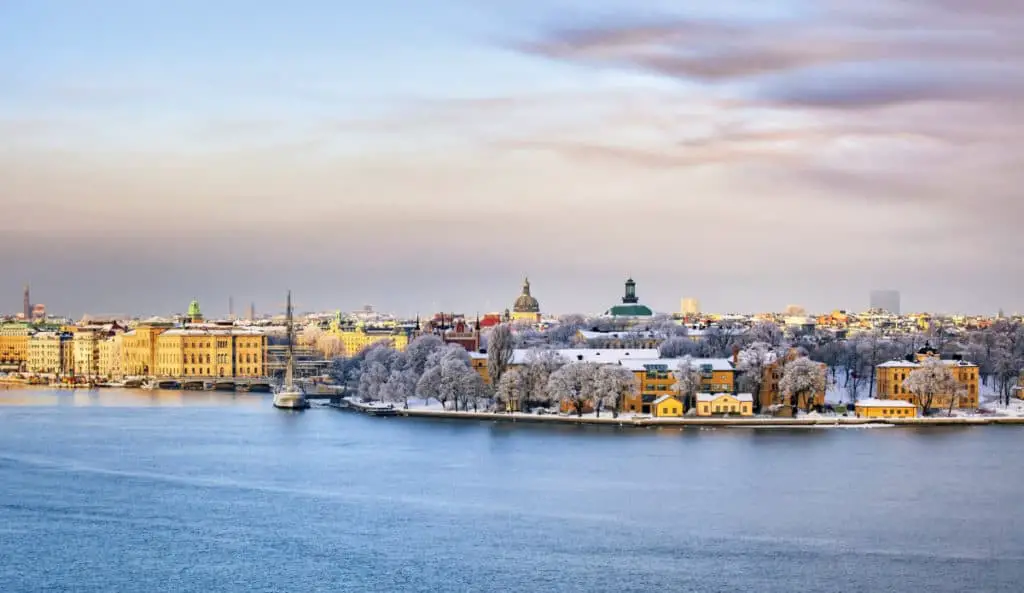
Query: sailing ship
x,y
289,396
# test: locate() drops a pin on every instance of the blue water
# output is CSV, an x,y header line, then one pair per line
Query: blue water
x,y
208,492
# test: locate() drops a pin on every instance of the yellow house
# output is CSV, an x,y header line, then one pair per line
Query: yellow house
x,y
14,344
714,404
667,406
211,353
885,408
889,378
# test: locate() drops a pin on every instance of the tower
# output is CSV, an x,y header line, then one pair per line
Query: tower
x,y
252,311
630,297
231,308
27,305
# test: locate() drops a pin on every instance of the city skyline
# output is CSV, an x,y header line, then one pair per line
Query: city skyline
x,y
410,156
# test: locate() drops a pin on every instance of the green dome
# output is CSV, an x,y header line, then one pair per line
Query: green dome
x,y
630,311
193,309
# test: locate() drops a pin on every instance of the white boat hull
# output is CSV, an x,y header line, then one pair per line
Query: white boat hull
x,y
290,400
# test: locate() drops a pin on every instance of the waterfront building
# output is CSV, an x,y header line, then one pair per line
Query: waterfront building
x,y
526,308
138,348
656,378
631,308
667,406
86,347
50,353
770,394
714,404
884,408
360,335
110,351
14,339
211,353
891,375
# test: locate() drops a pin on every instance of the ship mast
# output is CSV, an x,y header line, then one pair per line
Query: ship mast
x,y
290,369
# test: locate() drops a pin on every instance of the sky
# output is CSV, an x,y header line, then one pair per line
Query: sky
x,y
425,156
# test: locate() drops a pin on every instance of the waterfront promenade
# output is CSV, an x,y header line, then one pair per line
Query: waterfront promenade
x,y
648,422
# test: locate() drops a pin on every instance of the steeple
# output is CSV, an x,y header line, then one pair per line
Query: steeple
x,y
630,297
526,285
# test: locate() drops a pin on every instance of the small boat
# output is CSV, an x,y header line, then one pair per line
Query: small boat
x,y
133,383
112,384
290,396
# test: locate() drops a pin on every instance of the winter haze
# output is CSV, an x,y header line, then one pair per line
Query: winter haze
x,y
426,155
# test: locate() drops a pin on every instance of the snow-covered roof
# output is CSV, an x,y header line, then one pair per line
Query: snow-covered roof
x,y
212,332
716,364
906,364
883,403
710,397
599,335
665,397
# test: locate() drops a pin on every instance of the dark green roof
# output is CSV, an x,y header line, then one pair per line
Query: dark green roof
x,y
630,311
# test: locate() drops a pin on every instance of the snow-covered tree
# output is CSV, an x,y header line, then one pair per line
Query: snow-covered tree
x,y
1007,357
420,349
428,386
564,334
614,384
310,334
540,364
752,362
372,378
513,389
767,332
802,379
574,383
932,378
677,346
688,382
330,345
500,347
471,389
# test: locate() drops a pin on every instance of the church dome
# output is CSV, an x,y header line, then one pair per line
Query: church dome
x,y
193,309
526,303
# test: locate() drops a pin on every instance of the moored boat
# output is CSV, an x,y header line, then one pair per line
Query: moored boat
x,y
290,396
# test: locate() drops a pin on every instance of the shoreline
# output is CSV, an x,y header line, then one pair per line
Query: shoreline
x,y
710,422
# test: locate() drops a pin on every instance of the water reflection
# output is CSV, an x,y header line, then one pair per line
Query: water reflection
x,y
125,398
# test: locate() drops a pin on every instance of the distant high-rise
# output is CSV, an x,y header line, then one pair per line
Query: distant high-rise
x,y
886,300
27,305
231,308
252,311
689,306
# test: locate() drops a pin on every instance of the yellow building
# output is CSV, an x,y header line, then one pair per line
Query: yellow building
x,y
526,307
885,408
891,375
360,336
210,353
714,404
667,406
110,350
50,353
14,344
656,378
770,394
138,349
86,346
